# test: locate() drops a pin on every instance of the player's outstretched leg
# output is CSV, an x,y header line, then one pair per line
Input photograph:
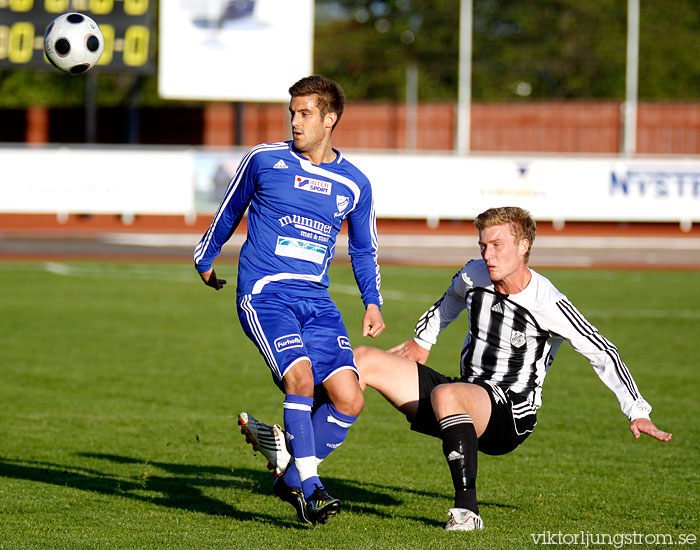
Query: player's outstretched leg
x,y
462,519
269,440
460,444
272,443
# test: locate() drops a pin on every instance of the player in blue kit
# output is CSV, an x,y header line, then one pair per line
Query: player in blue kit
x,y
298,194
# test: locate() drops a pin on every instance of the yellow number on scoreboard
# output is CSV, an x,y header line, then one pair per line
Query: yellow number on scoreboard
x,y
21,47
21,5
135,7
56,6
136,45
108,39
101,7
4,41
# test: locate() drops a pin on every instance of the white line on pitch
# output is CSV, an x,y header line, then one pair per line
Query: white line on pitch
x,y
428,241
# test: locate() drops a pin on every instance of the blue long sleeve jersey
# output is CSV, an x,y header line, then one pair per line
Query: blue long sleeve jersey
x,y
296,211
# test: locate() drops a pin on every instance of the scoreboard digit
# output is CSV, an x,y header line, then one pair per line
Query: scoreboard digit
x,y
127,27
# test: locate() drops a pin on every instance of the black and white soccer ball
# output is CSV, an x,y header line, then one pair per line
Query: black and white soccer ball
x,y
73,43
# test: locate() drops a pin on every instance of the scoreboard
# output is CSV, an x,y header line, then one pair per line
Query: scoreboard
x,y
127,27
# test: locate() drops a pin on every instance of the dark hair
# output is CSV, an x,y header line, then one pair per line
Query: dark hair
x,y
331,97
522,225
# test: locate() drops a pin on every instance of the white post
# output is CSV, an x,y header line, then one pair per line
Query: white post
x,y
630,108
464,93
412,107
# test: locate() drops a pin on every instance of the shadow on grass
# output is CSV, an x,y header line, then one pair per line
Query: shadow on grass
x,y
182,487
183,491
353,492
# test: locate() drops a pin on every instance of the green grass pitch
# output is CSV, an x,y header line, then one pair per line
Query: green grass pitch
x,y
121,383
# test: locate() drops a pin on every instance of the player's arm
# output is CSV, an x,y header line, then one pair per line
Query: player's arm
x,y
609,367
640,426
362,247
410,349
436,319
210,279
372,323
226,220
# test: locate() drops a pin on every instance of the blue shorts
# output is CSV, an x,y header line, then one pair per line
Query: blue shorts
x,y
288,328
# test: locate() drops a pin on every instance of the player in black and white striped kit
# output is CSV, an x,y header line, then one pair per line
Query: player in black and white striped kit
x,y
517,321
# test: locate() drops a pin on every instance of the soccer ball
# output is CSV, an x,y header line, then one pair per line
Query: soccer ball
x,y
73,43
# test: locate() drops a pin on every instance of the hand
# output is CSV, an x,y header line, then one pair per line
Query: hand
x,y
641,426
410,350
209,278
373,323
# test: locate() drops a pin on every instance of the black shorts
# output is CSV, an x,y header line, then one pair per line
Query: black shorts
x,y
512,416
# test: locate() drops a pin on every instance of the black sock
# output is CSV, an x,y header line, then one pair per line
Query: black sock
x,y
460,444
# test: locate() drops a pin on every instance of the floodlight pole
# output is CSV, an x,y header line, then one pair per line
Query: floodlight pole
x,y
90,107
412,107
630,109
133,129
238,128
464,93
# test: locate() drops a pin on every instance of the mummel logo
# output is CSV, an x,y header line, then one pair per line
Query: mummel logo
x,y
287,342
315,186
307,224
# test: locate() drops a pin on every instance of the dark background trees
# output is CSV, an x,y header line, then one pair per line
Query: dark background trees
x,y
522,49
539,49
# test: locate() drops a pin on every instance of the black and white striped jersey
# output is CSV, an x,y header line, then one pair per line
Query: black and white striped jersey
x,y
512,339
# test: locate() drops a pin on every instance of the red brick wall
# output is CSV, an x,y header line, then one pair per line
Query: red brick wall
x,y
554,126
548,127
668,128
561,127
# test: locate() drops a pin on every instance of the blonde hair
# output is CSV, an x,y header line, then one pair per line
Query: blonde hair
x,y
522,225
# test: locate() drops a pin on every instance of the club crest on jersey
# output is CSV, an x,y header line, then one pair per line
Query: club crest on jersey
x,y
342,202
517,339
315,186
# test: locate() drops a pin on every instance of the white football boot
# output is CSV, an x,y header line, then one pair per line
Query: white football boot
x,y
269,440
462,519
